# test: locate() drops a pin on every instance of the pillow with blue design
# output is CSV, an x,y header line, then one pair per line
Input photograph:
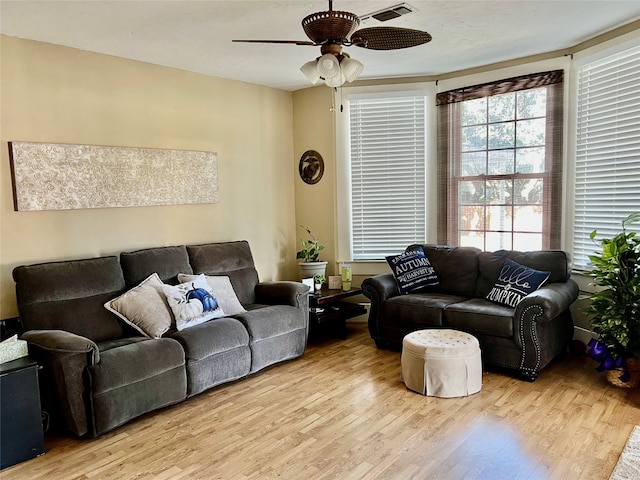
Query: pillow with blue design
x,y
412,270
192,302
516,282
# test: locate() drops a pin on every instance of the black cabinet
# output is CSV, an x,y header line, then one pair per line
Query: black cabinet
x,y
327,307
21,435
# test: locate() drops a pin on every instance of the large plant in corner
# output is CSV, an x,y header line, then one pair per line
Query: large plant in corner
x,y
615,308
309,254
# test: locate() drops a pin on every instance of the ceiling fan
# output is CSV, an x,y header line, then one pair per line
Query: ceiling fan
x,y
332,30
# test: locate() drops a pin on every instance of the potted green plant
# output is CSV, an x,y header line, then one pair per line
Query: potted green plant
x,y
318,280
615,308
309,254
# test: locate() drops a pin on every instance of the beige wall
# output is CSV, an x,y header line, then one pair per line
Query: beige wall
x,y
315,204
62,95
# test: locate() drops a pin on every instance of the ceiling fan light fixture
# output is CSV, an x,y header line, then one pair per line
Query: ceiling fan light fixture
x,y
351,68
328,66
310,70
335,81
332,30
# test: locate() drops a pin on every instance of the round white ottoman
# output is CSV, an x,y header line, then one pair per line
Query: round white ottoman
x,y
441,363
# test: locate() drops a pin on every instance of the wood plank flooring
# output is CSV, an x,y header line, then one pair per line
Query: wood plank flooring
x,y
341,412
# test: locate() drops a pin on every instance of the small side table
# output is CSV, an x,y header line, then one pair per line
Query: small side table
x,y
21,435
327,308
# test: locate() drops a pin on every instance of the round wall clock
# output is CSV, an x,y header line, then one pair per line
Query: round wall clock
x,y
311,167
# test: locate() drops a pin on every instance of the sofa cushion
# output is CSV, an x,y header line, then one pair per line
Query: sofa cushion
x,y
211,338
144,308
167,262
135,377
222,290
131,360
412,271
192,302
516,282
119,342
232,259
277,333
480,316
457,268
217,351
266,321
419,308
70,295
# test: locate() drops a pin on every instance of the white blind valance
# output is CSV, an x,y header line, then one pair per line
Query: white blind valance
x,y
607,183
387,161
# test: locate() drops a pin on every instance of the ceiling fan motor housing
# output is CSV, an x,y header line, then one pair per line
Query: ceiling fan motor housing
x,y
333,25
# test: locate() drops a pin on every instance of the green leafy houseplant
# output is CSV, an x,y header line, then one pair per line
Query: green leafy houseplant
x,y
310,247
616,307
319,278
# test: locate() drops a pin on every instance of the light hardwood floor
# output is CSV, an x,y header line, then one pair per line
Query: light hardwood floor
x,y
341,412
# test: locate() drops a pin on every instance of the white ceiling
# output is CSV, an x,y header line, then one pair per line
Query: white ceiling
x,y
196,35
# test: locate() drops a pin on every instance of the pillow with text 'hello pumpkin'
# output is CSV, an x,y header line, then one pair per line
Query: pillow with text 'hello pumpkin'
x,y
516,282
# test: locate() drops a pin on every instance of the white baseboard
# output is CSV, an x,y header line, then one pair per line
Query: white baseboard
x,y
582,334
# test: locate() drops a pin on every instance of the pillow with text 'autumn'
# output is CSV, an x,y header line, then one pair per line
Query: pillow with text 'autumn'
x,y
413,271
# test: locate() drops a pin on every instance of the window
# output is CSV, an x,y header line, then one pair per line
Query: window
x,y
607,170
500,157
386,148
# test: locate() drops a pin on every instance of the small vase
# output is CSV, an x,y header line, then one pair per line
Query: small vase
x,y
318,287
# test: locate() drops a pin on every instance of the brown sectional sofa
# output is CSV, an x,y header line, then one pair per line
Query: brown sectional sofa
x,y
525,338
98,373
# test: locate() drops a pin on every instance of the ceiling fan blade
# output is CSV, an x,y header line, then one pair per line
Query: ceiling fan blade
x,y
389,38
290,42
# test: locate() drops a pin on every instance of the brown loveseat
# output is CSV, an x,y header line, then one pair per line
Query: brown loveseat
x,y
524,338
99,373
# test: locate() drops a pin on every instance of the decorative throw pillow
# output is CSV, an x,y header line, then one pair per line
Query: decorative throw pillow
x,y
144,307
413,271
192,302
222,290
516,282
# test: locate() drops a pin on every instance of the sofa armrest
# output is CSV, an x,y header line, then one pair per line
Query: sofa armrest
x,y
550,301
378,289
64,358
543,326
283,293
63,343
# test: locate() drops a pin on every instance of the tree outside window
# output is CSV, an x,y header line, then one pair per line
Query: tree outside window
x,y
497,160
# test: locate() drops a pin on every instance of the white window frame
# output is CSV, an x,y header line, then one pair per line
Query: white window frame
x,y
457,177
343,165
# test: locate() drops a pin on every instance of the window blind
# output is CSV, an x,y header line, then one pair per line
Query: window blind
x,y
387,149
607,183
